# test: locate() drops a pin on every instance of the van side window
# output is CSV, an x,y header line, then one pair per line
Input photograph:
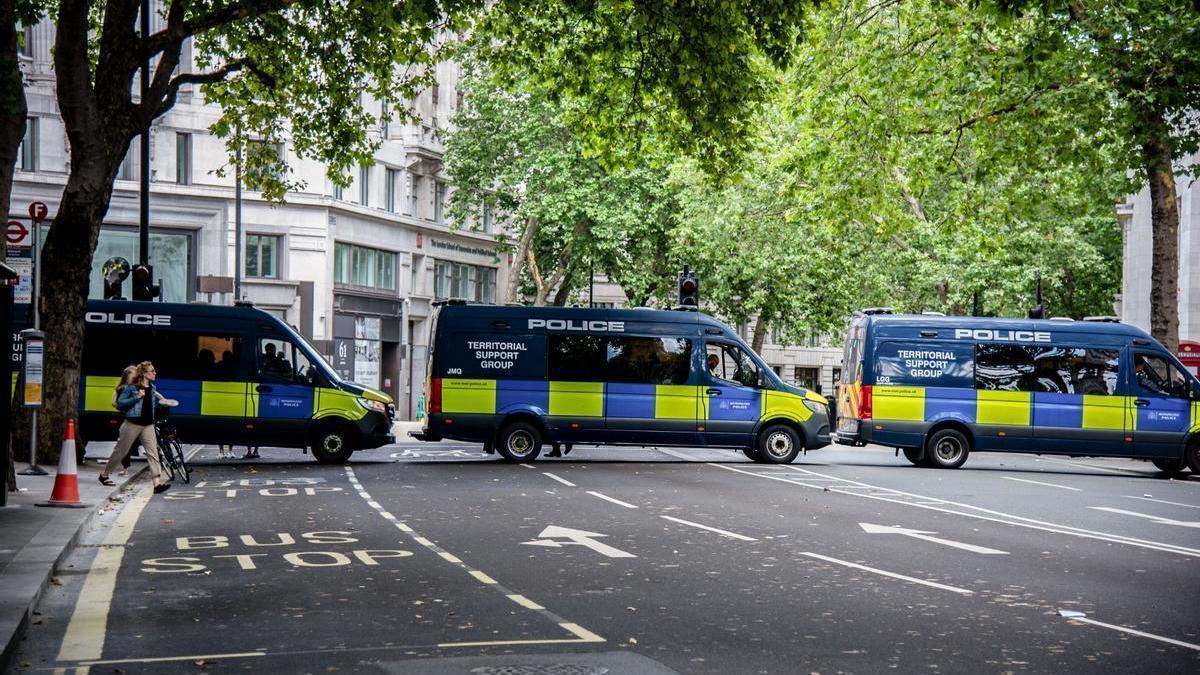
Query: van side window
x,y
1005,367
279,360
1074,370
176,355
732,364
578,358
1156,375
647,360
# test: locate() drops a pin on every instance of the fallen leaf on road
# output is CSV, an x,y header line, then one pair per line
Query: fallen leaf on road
x,y
631,609
168,521
633,641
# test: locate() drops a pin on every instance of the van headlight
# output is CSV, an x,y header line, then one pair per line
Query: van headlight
x,y
373,405
817,408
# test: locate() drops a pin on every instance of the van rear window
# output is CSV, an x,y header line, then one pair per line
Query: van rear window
x,y
924,364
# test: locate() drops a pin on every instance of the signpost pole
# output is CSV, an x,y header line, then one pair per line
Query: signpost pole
x,y
37,211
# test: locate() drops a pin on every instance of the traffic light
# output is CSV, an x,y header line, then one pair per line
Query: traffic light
x,y
144,287
114,271
689,290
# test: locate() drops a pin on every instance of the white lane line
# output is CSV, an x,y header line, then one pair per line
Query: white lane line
x,y
1163,501
1091,466
981,513
1131,631
168,659
527,466
84,639
1038,482
1152,518
581,634
726,533
923,582
561,480
606,498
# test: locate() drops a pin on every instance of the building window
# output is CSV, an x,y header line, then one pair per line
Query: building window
x,y
365,267
389,190
29,145
255,177
339,192
414,194
364,186
26,48
128,168
262,256
466,282
439,202
437,91
385,119
183,158
809,378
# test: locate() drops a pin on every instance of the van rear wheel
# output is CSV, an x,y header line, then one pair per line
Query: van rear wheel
x,y
520,442
778,444
331,445
947,449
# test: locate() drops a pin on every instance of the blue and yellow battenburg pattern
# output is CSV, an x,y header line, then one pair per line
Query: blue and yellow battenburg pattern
x,y
619,400
237,399
1022,408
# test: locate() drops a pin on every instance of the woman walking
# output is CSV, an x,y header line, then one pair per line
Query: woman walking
x,y
138,401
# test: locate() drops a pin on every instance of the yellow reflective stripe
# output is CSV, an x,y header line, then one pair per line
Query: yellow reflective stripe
x,y
784,404
899,403
569,399
468,396
1105,412
336,403
224,399
98,393
675,401
1003,407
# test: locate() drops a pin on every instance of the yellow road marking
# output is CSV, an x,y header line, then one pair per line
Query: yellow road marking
x,y
524,601
84,639
449,557
584,634
482,577
167,659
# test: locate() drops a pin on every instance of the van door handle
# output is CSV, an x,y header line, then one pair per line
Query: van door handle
x,y
713,392
262,389
1141,402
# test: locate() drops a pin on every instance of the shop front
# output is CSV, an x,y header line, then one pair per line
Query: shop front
x,y
367,341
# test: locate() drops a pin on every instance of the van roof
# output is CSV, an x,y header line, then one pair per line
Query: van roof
x,y
1084,327
643,314
197,309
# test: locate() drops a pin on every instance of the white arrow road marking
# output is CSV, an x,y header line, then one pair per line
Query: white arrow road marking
x,y
578,538
870,528
1152,518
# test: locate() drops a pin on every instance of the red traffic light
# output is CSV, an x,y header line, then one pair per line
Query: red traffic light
x,y
688,286
141,274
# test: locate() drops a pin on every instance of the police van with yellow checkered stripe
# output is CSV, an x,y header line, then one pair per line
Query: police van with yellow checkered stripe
x,y
241,376
518,378
938,388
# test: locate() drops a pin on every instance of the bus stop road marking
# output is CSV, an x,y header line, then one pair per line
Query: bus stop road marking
x,y
1038,482
893,575
1152,518
731,535
980,513
1072,615
580,633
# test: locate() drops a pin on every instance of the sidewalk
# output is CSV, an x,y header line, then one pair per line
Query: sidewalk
x,y
35,540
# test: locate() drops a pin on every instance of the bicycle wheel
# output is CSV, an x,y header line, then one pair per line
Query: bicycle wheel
x,y
166,459
183,472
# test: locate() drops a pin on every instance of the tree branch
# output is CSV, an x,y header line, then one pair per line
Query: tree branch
x,y
180,29
167,99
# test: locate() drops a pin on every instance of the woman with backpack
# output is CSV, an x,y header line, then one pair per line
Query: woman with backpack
x,y
137,401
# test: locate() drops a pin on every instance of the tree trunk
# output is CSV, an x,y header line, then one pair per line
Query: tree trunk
x,y
1164,218
13,108
539,298
760,334
518,266
565,285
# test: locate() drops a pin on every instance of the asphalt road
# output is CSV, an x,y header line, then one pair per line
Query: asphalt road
x,y
434,558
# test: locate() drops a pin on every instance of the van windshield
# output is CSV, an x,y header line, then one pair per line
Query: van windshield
x,y
316,357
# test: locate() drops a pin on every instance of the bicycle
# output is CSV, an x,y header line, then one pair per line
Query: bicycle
x,y
170,451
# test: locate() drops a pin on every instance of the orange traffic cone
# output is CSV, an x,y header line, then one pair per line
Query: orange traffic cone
x,y
66,481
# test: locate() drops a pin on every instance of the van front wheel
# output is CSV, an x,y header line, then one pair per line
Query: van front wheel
x,y
947,449
1192,455
519,442
778,444
331,445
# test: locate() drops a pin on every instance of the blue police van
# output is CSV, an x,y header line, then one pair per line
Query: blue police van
x,y
517,378
938,388
241,376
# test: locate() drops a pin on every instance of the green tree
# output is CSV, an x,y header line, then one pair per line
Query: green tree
x,y
512,153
